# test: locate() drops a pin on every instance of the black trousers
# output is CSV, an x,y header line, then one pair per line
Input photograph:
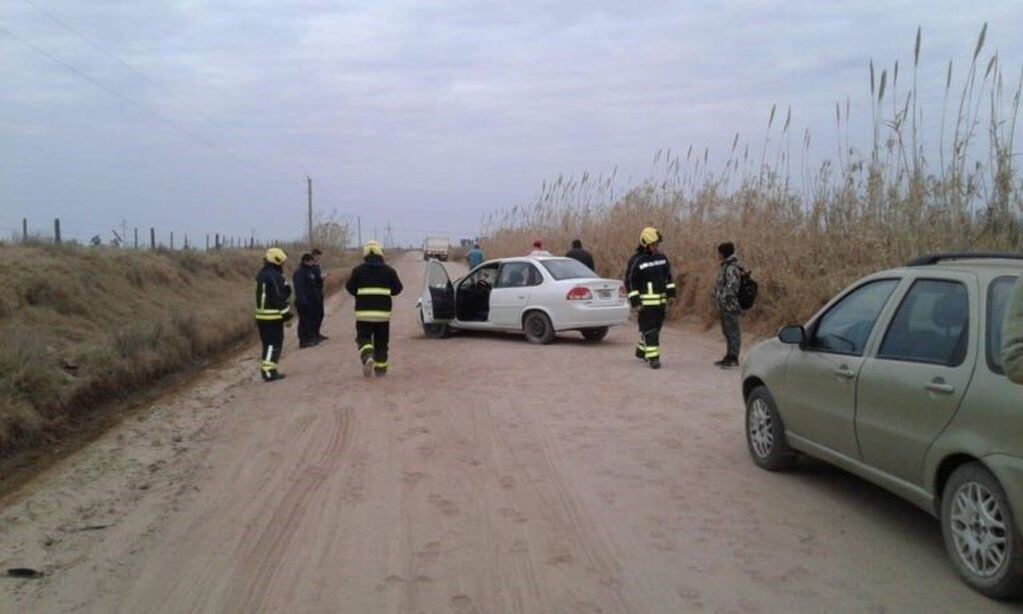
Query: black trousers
x,y
651,319
271,333
733,333
317,319
307,323
372,339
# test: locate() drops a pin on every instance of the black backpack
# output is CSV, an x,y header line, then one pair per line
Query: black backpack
x,y
747,290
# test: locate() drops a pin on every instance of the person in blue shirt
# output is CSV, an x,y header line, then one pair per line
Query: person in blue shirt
x,y
475,256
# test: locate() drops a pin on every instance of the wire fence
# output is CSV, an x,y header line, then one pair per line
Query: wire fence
x,y
61,231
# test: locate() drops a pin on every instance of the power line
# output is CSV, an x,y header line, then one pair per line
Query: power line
x,y
141,75
126,99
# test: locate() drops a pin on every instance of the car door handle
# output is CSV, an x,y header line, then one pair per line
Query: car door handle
x,y
845,372
940,386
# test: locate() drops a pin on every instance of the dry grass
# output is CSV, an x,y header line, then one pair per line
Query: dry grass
x,y
79,326
806,232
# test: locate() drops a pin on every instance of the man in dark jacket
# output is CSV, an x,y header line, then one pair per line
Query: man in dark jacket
x,y
272,311
373,283
308,301
578,253
650,285
726,298
318,316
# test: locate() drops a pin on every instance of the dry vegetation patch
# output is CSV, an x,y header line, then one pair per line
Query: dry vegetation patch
x,y
79,326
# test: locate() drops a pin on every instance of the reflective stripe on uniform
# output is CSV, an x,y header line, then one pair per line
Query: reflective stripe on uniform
x,y
380,365
373,316
670,286
633,293
366,348
374,291
653,352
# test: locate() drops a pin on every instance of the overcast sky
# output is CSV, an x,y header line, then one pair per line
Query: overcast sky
x,y
418,114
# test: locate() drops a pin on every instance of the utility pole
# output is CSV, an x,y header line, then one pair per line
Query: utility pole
x,y
172,240
136,237
56,231
24,230
309,183
358,224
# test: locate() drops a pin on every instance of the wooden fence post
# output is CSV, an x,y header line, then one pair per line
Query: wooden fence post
x,y
172,240
216,241
136,237
152,238
24,230
56,231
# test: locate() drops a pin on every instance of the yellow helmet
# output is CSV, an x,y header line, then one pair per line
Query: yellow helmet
x,y
276,255
649,236
372,247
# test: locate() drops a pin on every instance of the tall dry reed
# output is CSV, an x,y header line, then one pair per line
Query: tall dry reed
x,y
806,231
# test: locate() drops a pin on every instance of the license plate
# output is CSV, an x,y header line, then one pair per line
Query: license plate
x,y
604,293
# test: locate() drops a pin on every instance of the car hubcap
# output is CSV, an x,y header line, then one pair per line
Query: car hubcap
x,y
978,529
761,428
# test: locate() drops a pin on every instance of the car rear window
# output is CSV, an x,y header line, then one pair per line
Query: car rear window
x,y
997,299
566,268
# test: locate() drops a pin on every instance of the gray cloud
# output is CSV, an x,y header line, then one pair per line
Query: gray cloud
x,y
425,115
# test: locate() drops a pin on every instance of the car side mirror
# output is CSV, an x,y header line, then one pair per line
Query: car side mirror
x,y
793,335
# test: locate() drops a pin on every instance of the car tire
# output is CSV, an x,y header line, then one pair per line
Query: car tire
x,y
434,331
974,509
595,334
538,327
765,433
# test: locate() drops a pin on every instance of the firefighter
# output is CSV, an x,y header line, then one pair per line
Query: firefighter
x,y
650,285
272,311
373,283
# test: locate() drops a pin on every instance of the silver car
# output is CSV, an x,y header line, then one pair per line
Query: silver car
x,y
538,296
899,380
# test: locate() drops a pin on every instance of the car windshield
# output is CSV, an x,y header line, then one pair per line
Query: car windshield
x,y
997,300
567,268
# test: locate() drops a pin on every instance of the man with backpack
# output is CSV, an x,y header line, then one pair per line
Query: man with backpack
x,y
726,299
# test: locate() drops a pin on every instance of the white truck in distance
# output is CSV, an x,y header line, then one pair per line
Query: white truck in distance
x,y
436,247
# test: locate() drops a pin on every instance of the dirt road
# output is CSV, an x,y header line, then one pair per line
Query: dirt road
x,y
485,474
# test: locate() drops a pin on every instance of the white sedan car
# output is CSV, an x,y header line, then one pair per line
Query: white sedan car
x,y
539,296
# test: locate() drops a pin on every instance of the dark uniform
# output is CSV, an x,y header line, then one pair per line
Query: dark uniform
x,y
650,285
583,256
373,283
309,302
272,311
318,316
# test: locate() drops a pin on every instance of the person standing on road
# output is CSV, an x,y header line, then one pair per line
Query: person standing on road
x,y
318,316
726,299
578,253
308,301
475,256
1012,335
373,284
650,285
538,249
272,311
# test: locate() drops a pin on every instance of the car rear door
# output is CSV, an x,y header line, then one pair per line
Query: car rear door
x,y
511,294
818,399
913,385
438,298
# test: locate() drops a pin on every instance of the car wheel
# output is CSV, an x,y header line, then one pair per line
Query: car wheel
x,y
765,434
980,532
538,328
595,334
434,331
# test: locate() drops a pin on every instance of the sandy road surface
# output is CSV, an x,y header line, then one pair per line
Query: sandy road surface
x,y
485,474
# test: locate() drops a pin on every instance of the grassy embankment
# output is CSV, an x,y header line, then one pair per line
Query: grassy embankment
x,y
806,232
82,326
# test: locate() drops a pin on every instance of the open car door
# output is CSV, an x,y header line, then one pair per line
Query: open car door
x,y
438,294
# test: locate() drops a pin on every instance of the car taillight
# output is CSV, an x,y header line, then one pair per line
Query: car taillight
x,y
579,294
621,292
